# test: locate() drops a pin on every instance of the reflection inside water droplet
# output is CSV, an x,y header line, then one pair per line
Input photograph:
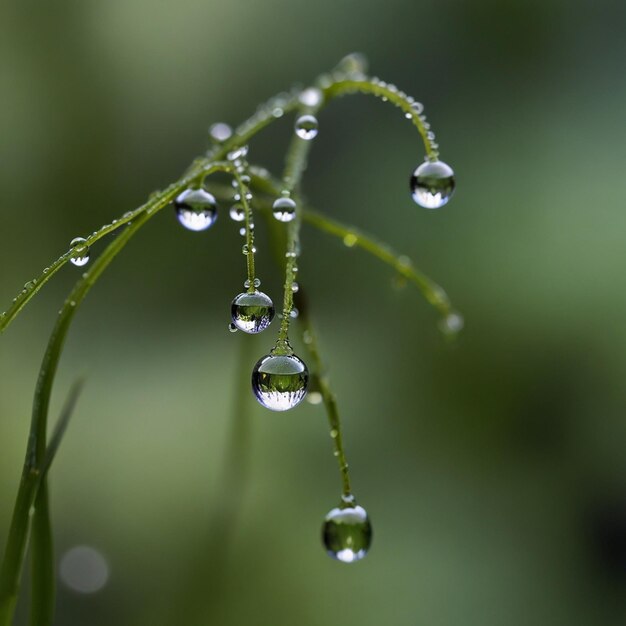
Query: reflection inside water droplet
x,y
252,312
432,184
347,532
307,127
280,381
196,209
284,209
81,250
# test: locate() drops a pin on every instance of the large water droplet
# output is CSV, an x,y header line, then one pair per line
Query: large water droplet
x,y
432,184
280,381
306,127
81,250
284,209
252,312
347,533
196,209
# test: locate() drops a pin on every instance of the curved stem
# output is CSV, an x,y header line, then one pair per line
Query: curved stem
x,y
243,191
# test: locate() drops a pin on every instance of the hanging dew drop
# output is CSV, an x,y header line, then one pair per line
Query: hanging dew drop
x,y
347,532
81,250
280,381
252,312
232,328
284,209
311,97
432,184
196,209
237,213
307,127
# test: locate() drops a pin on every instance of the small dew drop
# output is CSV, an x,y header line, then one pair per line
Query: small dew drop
x,y
314,397
350,240
334,433
311,97
307,127
284,209
432,184
295,287
242,232
452,324
232,328
237,213
247,250
196,209
220,132
280,381
79,247
347,532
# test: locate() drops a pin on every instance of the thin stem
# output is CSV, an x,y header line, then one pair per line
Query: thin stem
x,y
42,558
328,397
243,191
413,110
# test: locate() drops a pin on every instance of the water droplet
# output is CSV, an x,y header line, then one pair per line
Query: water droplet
x,y
314,397
295,287
237,213
256,283
280,381
232,328
432,184
350,240
238,153
311,97
347,533
84,569
220,132
334,433
247,250
81,250
453,323
252,312
242,232
293,314
306,127
196,209
284,209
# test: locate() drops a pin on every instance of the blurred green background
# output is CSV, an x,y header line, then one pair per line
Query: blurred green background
x,y
493,470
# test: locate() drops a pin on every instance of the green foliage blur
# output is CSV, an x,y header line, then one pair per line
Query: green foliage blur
x,y
493,469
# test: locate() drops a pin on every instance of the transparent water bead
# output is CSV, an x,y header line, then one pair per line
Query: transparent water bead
x,y
252,312
432,184
452,324
237,213
280,381
307,127
347,532
196,209
220,132
78,247
284,209
311,97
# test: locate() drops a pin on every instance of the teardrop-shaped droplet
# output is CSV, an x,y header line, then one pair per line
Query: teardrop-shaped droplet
x,y
237,213
284,209
432,184
252,312
347,533
280,381
307,127
196,209
81,250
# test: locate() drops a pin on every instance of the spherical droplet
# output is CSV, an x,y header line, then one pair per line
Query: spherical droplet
x,y
311,97
347,533
252,312
237,213
81,250
284,209
432,184
280,381
452,324
196,209
238,153
306,127
220,132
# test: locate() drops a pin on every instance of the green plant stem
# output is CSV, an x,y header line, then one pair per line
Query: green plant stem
x,y
243,189
42,559
328,397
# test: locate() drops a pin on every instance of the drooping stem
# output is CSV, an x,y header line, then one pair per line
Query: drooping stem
x,y
243,190
42,558
328,397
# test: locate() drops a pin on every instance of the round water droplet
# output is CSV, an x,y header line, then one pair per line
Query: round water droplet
x,y
220,132
237,213
252,312
306,127
311,97
238,153
295,287
314,397
347,533
432,184
350,240
280,381
452,324
284,209
196,209
232,328
81,250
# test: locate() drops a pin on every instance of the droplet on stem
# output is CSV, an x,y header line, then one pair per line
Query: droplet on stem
x,y
280,381
307,127
347,532
252,312
81,250
196,209
432,184
284,209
